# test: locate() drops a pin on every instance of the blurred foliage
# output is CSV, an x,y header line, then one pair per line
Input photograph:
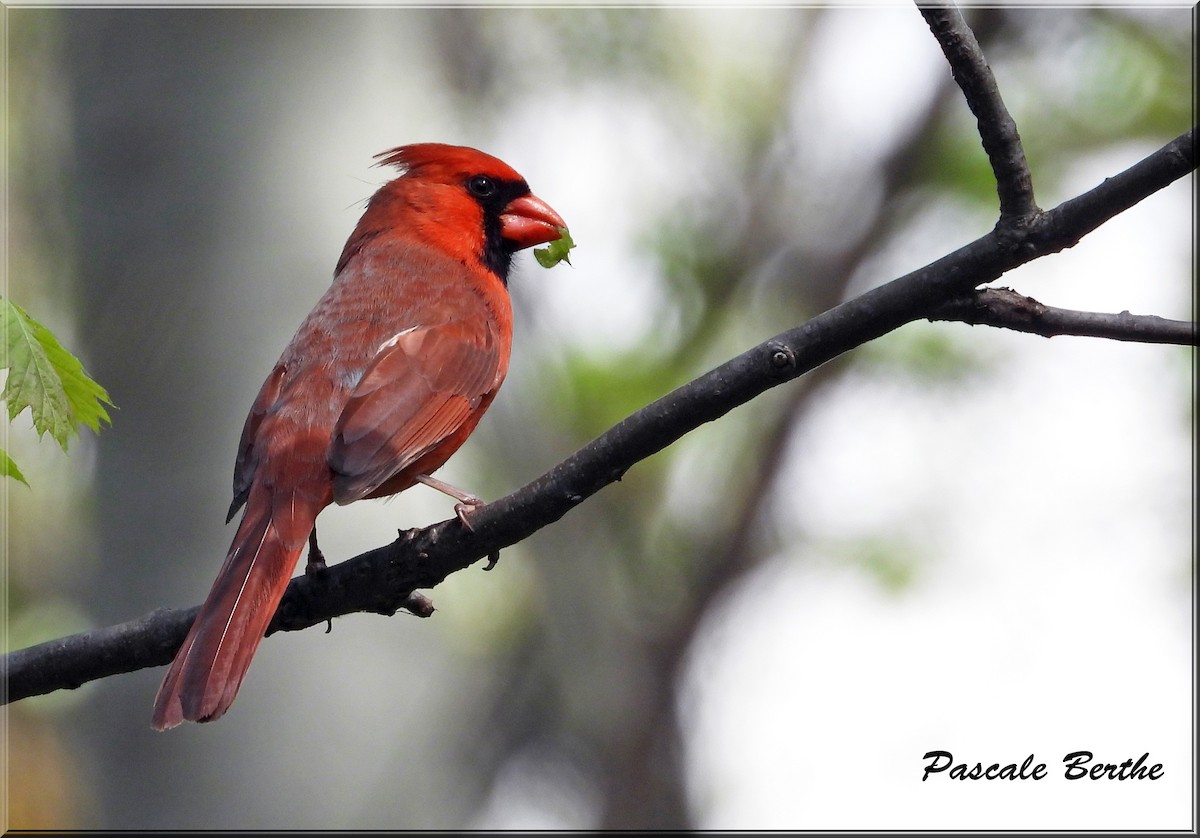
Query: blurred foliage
x,y
1077,82
931,355
886,558
686,531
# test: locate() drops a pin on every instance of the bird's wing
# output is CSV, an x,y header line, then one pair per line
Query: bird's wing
x,y
247,459
420,388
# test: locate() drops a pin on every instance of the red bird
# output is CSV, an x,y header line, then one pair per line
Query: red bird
x,y
383,381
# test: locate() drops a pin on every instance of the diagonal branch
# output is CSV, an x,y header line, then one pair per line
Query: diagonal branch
x,y
1006,309
1001,141
382,580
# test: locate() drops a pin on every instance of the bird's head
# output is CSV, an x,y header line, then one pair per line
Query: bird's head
x,y
464,202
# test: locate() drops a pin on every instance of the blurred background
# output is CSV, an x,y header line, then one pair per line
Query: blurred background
x,y
954,538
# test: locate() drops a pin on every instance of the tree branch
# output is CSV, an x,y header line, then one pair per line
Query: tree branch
x,y
1077,217
382,580
1001,142
1006,309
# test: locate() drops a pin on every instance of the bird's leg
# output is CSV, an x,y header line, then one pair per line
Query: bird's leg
x,y
467,503
316,559
316,566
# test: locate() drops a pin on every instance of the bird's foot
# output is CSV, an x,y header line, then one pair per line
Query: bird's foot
x,y
465,508
467,503
316,559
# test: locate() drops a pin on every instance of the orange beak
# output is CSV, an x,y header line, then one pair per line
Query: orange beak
x,y
529,220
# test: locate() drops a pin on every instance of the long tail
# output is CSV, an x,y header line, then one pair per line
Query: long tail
x,y
210,665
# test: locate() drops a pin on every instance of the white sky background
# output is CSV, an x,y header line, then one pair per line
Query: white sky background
x,y
1052,509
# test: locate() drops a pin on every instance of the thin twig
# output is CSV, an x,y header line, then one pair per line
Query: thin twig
x,y
1006,309
997,130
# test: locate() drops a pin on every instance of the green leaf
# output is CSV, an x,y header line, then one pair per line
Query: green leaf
x,y
47,379
556,251
9,469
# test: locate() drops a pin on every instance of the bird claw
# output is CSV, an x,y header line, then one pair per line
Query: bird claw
x,y
465,508
467,503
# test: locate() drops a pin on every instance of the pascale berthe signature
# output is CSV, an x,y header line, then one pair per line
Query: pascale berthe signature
x,y
1078,765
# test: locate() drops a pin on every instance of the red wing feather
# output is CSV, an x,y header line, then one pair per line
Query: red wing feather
x,y
421,387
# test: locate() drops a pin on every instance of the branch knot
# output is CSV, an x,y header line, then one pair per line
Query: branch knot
x,y
781,357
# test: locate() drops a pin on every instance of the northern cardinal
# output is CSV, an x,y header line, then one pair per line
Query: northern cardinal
x,y
386,377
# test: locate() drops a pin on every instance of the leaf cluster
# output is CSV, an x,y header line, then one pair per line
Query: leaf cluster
x,y
48,380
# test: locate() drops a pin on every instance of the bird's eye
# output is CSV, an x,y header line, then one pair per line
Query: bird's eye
x,y
482,186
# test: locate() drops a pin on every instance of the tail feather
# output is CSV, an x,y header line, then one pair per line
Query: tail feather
x,y
210,665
